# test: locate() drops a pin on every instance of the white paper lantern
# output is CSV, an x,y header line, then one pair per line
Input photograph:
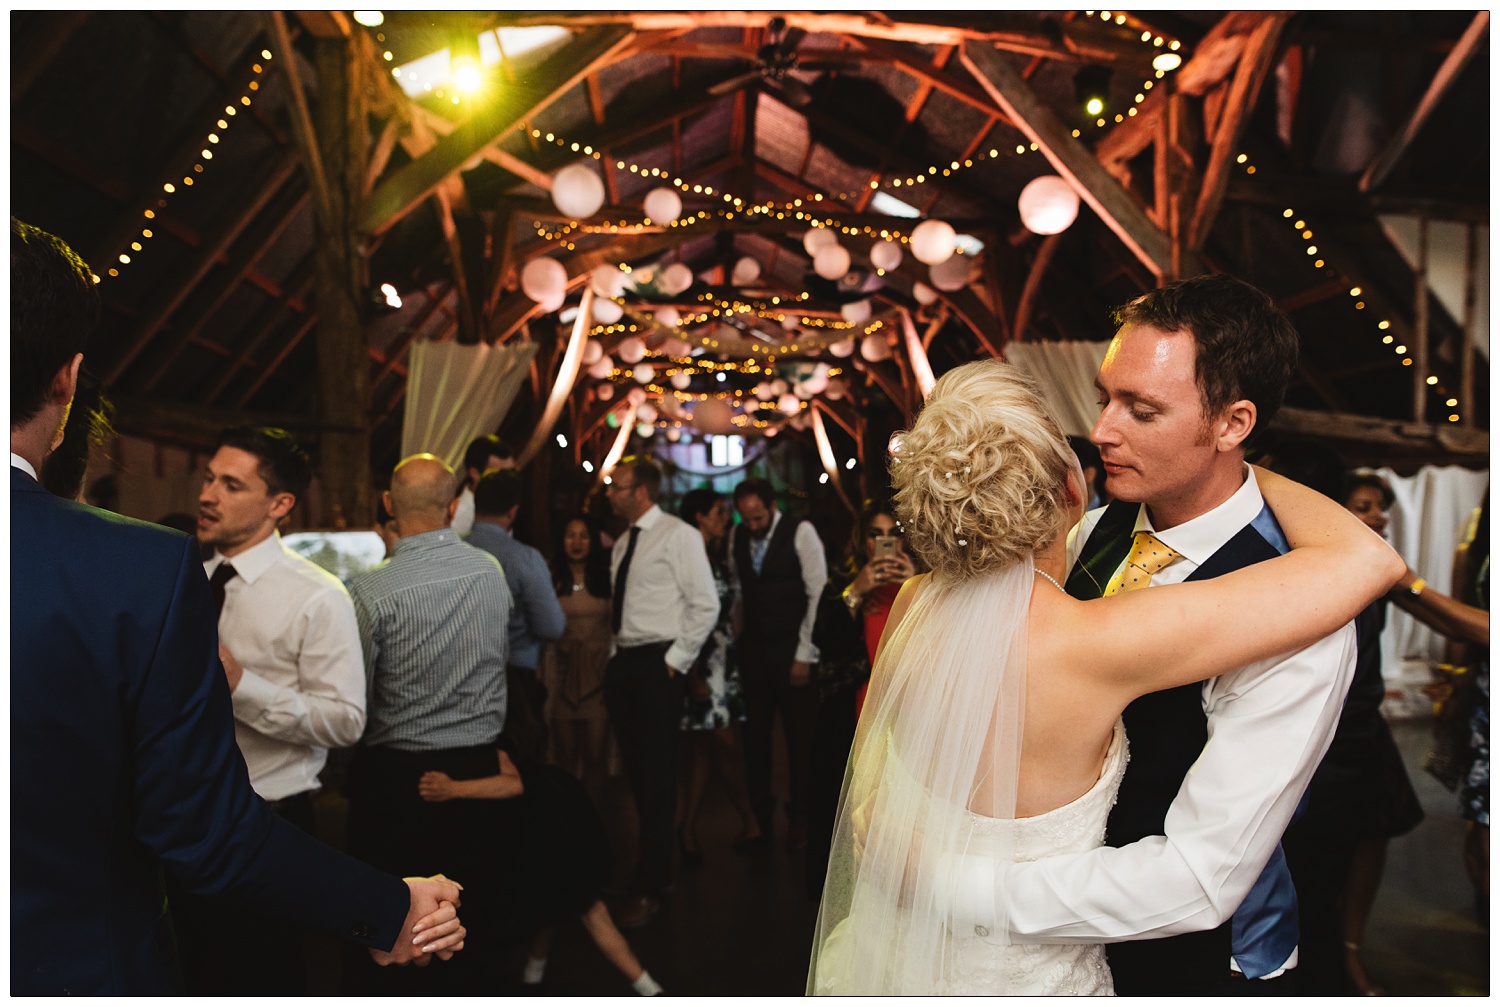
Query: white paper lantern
x,y
843,348
545,281
831,261
763,391
674,435
644,429
592,352
885,255
856,311
818,237
798,422
874,348
668,317
954,274
817,384
577,191
607,281
746,270
789,403
713,416
771,431
600,368
674,347
604,392
607,312
1048,205
836,389
646,413
631,349
663,205
933,241
923,293
779,387
681,380
644,373
676,278
635,396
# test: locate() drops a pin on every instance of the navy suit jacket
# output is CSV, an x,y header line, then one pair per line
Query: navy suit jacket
x,y
124,764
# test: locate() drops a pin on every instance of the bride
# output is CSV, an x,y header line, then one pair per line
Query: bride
x,y
992,725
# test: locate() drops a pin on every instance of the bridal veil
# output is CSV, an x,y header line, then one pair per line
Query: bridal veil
x,y
939,740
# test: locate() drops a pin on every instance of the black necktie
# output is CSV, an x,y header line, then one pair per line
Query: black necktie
x,y
618,612
222,575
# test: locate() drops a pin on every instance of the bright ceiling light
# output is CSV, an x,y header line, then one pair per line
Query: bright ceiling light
x,y
369,18
1166,61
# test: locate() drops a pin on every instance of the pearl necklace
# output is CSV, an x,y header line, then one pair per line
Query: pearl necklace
x,y
1043,573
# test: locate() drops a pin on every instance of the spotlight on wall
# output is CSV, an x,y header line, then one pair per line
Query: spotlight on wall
x,y
1091,86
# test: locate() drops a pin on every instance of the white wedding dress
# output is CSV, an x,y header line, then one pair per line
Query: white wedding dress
x,y
981,967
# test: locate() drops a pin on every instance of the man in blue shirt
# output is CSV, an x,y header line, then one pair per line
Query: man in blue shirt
x,y
535,615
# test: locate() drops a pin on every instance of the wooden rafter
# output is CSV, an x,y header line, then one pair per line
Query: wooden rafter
x,y
299,285
468,319
40,47
302,125
1039,265
404,189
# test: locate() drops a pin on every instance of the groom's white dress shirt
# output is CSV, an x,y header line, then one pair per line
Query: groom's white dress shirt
x,y
1269,725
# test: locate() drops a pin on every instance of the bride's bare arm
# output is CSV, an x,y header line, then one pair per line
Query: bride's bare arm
x,y
1173,635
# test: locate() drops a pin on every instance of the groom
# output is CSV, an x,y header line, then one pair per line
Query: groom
x,y
1192,881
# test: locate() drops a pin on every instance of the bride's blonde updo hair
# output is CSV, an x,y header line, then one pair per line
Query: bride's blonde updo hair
x,y
980,478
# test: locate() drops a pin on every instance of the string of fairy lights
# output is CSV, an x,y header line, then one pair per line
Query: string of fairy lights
x,y
169,188
1356,295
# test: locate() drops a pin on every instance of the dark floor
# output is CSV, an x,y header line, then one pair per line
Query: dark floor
x,y
742,927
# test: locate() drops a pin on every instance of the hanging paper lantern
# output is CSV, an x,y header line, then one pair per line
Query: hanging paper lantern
x,y
843,348
607,281
818,237
681,380
798,422
644,429
644,373
816,385
631,349
831,261
789,403
772,431
674,347
646,413
953,274
779,387
746,270
933,241
601,368
923,293
635,396
874,348
1048,205
713,416
856,311
604,393
668,317
676,278
545,281
837,389
663,205
674,435
577,191
885,255
763,391
607,312
593,350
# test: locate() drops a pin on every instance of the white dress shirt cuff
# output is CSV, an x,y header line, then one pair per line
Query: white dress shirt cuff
x,y
252,697
970,886
808,653
680,658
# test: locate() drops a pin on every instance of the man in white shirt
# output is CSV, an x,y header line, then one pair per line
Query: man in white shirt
x,y
289,643
779,569
665,605
1217,770
484,454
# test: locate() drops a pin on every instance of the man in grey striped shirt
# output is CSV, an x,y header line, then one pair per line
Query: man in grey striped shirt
x,y
432,624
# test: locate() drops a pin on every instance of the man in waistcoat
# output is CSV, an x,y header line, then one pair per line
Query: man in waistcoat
x,y
1192,881
779,569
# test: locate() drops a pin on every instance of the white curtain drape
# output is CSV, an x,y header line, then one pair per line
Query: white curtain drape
x,y
455,393
1066,373
1431,512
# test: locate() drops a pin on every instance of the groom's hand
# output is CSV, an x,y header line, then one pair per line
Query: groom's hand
x,y
431,927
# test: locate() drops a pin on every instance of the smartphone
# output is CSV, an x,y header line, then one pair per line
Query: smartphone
x,y
886,545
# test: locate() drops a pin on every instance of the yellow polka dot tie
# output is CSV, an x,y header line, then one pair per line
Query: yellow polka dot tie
x,y
1149,555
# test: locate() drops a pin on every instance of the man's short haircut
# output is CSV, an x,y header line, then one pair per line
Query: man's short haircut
x,y
53,311
756,488
497,492
1246,347
481,448
644,472
282,462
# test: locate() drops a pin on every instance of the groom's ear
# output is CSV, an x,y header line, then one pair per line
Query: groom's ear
x,y
1234,425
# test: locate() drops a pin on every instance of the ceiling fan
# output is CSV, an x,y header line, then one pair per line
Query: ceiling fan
x,y
773,64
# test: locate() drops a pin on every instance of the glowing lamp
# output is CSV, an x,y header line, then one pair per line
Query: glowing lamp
x,y
1048,205
933,241
577,191
663,205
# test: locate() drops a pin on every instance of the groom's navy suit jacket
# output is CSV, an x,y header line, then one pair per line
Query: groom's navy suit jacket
x,y
1167,731
124,764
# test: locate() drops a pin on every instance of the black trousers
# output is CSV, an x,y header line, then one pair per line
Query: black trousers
x,y
645,708
525,721
229,950
767,683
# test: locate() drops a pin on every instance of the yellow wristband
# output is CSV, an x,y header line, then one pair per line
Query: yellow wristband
x,y
1415,591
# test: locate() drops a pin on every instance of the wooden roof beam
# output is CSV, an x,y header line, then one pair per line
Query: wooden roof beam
x,y
34,52
403,190
1073,161
299,286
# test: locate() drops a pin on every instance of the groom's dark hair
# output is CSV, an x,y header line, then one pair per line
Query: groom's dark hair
x,y
1246,347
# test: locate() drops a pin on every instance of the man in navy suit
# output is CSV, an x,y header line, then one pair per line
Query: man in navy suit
x,y
123,759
